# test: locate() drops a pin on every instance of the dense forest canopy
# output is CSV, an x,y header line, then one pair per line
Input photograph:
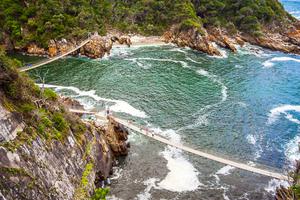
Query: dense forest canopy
x,y
25,21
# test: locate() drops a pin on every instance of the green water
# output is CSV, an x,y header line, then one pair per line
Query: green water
x,y
244,106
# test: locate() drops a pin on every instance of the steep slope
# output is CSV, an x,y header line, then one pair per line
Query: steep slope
x,y
46,152
261,22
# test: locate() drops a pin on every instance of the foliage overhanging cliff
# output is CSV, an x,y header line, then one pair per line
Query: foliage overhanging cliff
x,y
45,151
28,21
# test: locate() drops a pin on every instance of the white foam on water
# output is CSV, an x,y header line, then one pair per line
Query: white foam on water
x,y
249,49
142,65
225,170
177,50
203,72
269,63
150,183
222,51
182,175
216,80
284,109
119,106
273,184
113,197
292,150
117,173
192,60
251,139
238,66
183,64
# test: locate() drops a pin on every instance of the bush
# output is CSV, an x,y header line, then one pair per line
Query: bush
x,y
190,24
50,94
100,194
59,122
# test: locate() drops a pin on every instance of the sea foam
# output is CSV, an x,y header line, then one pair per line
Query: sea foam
x,y
182,175
119,105
270,63
284,109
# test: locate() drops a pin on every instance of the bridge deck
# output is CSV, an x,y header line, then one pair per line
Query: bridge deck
x,y
190,150
23,69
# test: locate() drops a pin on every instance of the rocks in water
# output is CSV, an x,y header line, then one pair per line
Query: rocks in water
x,y
122,40
193,39
49,169
97,47
35,50
117,136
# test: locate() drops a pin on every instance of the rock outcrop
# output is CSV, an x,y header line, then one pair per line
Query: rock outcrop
x,y
33,49
288,41
96,48
54,169
193,39
117,136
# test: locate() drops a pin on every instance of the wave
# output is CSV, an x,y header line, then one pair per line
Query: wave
x,y
182,175
249,49
270,63
225,170
251,139
150,183
292,150
273,184
284,109
183,64
216,80
222,51
119,105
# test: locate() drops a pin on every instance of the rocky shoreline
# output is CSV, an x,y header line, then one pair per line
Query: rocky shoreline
x,y
206,42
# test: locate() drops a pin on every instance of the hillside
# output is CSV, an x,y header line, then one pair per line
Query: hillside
x,y
27,22
47,152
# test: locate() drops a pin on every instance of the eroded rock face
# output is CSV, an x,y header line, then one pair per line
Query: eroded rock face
x,y
117,136
54,170
193,39
35,50
97,47
10,124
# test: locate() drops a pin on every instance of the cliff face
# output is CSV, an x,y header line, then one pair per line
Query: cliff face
x,y
206,39
40,169
45,151
96,48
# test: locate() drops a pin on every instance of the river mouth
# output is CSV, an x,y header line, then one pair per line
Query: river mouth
x,y
243,106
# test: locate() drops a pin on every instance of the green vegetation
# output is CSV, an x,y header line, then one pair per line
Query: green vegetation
x,y
100,194
38,109
39,21
86,173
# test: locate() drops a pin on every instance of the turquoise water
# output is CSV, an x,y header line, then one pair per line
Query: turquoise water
x,y
244,106
292,6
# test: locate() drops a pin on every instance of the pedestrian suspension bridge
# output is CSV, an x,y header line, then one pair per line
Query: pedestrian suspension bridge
x,y
26,68
129,124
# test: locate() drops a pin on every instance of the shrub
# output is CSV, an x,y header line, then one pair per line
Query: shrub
x,y
59,122
100,194
50,94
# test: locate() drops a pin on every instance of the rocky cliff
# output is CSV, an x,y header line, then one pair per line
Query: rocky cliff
x,y
96,48
207,40
70,169
45,151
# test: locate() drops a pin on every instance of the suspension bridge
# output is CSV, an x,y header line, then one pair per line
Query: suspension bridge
x,y
36,65
146,132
